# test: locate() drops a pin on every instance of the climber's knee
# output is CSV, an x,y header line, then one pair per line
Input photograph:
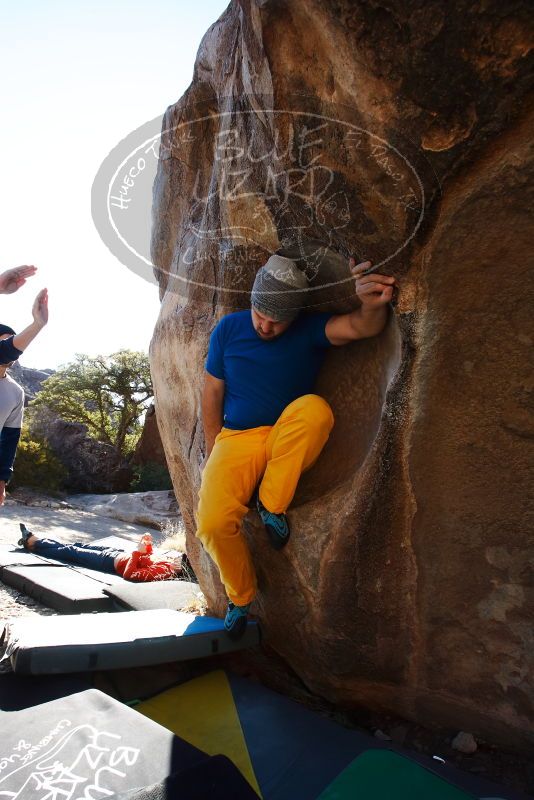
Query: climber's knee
x,y
323,411
315,410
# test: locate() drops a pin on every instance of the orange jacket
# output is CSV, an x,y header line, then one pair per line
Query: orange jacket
x,y
141,567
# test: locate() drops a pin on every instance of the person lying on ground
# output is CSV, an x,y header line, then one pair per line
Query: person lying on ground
x,y
263,423
13,345
12,279
140,565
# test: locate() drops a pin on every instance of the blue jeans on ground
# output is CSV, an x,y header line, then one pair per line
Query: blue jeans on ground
x,y
91,556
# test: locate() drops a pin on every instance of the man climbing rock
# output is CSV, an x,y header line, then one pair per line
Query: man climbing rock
x,y
263,424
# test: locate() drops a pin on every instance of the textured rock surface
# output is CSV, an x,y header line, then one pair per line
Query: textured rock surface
x,y
141,508
401,135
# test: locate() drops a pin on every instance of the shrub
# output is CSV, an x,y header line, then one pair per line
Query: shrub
x,y
150,477
37,466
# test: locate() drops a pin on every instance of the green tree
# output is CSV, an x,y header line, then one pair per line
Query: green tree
x,y
107,394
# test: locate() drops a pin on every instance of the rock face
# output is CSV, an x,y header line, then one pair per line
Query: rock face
x,y
398,133
149,448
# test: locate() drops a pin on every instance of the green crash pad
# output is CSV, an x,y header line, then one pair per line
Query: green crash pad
x,y
384,775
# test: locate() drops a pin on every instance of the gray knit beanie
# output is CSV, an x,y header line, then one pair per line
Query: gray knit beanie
x,y
279,289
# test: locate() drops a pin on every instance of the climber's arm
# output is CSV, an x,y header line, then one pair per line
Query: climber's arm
x,y
374,292
212,409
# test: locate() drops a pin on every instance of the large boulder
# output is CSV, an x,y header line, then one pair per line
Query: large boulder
x,y
92,466
399,133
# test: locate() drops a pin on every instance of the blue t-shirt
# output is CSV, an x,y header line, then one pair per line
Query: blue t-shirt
x,y
263,376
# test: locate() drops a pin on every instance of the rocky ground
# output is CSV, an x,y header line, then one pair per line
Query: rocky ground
x,y
156,509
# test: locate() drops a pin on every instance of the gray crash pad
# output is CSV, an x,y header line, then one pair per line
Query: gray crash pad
x,y
176,595
86,745
64,587
72,589
53,645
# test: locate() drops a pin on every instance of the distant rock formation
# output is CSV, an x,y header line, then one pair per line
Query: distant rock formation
x,y
149,448
92,466
399,132
30,379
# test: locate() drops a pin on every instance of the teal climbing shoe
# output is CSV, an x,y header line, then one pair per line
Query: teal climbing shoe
x,y
235,621
276,525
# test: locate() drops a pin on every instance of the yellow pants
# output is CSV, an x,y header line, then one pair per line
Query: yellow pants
x,y
239,459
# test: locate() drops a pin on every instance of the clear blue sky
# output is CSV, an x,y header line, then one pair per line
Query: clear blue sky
x,y
76,78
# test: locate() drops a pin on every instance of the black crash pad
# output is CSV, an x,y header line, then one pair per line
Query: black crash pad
x,y
86,745
60,588
23,691
53,645
217,778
